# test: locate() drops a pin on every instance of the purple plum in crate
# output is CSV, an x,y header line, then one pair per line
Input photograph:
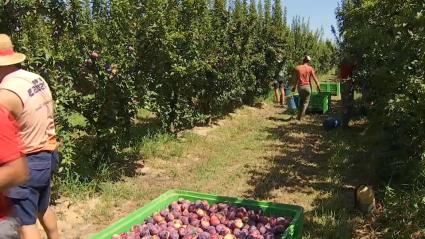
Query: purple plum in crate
x,y
205,224
164,235
154,230
185,220
222,206
213,208
269,236
195,223
204,235
200,212
182,232
262,230
164,212
211,230
229,236
214,220
158,218
169,217
174,235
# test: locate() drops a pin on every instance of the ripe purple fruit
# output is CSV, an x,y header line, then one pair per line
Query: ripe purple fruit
x,y
269,236
200,212
195,223
222,206
182,232
164,235
214,220
211,230
205,224
213,208
185,212
229,236
164,213
185,220
204,235
279,229
177,224
154,230
158,218
174,235
169,217
94,55
238,223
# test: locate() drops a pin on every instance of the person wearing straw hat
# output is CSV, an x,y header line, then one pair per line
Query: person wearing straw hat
x,y
31,103
302,80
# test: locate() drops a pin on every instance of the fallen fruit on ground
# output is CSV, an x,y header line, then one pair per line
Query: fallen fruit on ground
x,y
199,220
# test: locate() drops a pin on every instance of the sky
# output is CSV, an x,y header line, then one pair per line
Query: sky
x,y
320,12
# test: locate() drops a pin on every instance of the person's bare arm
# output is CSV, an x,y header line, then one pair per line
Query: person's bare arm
x,y
13,173
294,81
15,169
316,81
12,102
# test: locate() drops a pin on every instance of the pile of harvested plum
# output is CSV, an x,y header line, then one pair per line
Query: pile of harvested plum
x,y
200,220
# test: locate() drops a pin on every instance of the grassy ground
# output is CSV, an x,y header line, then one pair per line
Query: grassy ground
x,y
257,153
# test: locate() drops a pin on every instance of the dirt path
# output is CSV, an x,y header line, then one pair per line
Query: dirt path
x,y
255,153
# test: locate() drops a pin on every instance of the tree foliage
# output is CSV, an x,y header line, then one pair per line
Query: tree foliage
x,y
187,61
388,41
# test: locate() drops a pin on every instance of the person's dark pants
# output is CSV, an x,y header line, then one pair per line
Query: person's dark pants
x,y
347,96
34,197
10,228
304,93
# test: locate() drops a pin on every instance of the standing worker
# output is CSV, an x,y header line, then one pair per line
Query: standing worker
x,y
33,110
13,166
302,80
279,91
347,84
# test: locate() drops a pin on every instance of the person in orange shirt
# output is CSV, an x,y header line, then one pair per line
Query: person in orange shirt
x,y
33,110
302,81
13,166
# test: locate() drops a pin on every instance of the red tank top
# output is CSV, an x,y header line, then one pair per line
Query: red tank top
x,y
303,72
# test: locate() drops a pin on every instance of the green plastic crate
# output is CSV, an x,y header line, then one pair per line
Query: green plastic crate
x,y
294,230
332,87
319,102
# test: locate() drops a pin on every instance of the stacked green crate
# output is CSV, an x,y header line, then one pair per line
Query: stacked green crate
x,y
319,102
332,87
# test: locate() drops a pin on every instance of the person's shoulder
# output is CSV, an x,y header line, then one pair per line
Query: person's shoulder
x,y
29,75
22,74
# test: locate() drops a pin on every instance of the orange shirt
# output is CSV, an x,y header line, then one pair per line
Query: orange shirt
x,y
303,73
36,122
10,149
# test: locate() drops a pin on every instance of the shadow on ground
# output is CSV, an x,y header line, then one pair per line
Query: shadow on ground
x,y
306,166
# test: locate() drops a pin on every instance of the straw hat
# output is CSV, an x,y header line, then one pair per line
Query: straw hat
x,y
7,55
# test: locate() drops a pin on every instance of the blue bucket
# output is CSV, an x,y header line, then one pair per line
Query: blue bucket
x,y
291,103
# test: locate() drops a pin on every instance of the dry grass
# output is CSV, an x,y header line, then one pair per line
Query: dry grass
x,y
254,153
